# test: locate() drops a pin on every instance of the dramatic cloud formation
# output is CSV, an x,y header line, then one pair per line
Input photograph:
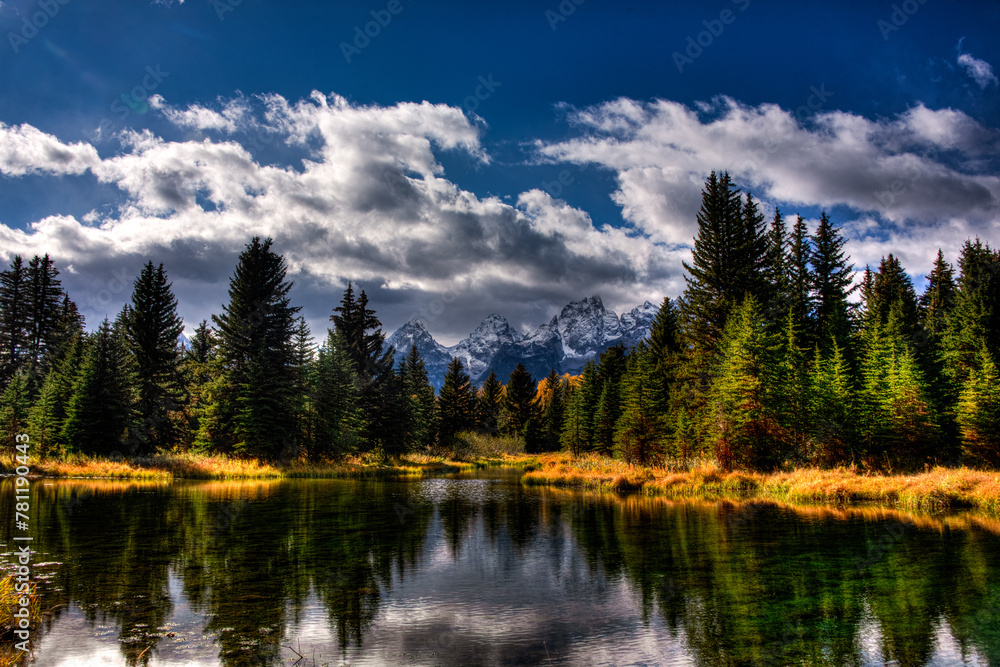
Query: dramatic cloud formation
x,y
926,174
370,204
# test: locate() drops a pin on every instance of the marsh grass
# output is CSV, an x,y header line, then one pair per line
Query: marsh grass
x,y
937,489
8,605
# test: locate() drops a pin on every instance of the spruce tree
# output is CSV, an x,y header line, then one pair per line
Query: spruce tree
x,y
979,413
15,402
639,433
938,300
420,400
101,414
152,329
489,405
665,352
456,404
44,301
832,278
800,283
520,409
715,276
611,367
891,289
745,395
338,422
15,305
974,322
48,414
832,411
581,405
553,407
255,333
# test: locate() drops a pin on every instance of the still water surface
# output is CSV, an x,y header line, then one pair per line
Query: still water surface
x,y
477,570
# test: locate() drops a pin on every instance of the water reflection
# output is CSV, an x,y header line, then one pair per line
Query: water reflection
x,y
481,571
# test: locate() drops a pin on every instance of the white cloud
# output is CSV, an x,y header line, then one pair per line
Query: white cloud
x,y
919,171
371,203
980,70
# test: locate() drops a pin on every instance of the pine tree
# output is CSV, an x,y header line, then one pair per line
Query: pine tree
x,y
152,329
891,289
665,354
14,307
456,404
832,278
520,410
747,429
639,433
979,413
255,333
101,410
934,308
573,436
489,405
779,268
552,402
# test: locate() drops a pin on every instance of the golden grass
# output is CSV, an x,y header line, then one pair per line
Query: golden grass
x,y
9,598
167,466
940,488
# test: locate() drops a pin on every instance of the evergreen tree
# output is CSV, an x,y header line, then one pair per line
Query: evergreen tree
x,y
69,326
456,404
779,268
553,406
891,289
717,274
832,278
581,405
421,402
979,413
800,282
48,414
665,354
747,428
639,433
14,307
938,300
15,402
152,328
974,323
611,367
337,418
255,388
832,410
520,410
101,409
489,405
45,296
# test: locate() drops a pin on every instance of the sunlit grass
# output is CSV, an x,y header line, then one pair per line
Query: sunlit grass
x,y
9,598
939,488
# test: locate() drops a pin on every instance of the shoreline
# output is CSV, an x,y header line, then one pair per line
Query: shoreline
x,y
935,490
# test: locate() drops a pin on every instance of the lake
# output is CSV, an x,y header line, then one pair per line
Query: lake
x,y
476,569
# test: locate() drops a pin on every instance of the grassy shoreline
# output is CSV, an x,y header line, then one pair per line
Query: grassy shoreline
x,y
934,490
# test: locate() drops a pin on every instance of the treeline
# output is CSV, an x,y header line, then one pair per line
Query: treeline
x,y
766,361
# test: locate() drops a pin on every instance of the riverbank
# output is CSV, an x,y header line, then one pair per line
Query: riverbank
x,y
937,489
169,466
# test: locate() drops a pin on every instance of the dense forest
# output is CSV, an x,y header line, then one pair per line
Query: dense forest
x,y
768,360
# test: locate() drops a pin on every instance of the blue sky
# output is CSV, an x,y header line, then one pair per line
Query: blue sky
x,y
175,131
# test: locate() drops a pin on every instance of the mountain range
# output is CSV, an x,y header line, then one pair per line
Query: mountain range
x,y
581,331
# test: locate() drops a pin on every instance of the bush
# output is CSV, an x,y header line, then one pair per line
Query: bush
x,y
470,445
